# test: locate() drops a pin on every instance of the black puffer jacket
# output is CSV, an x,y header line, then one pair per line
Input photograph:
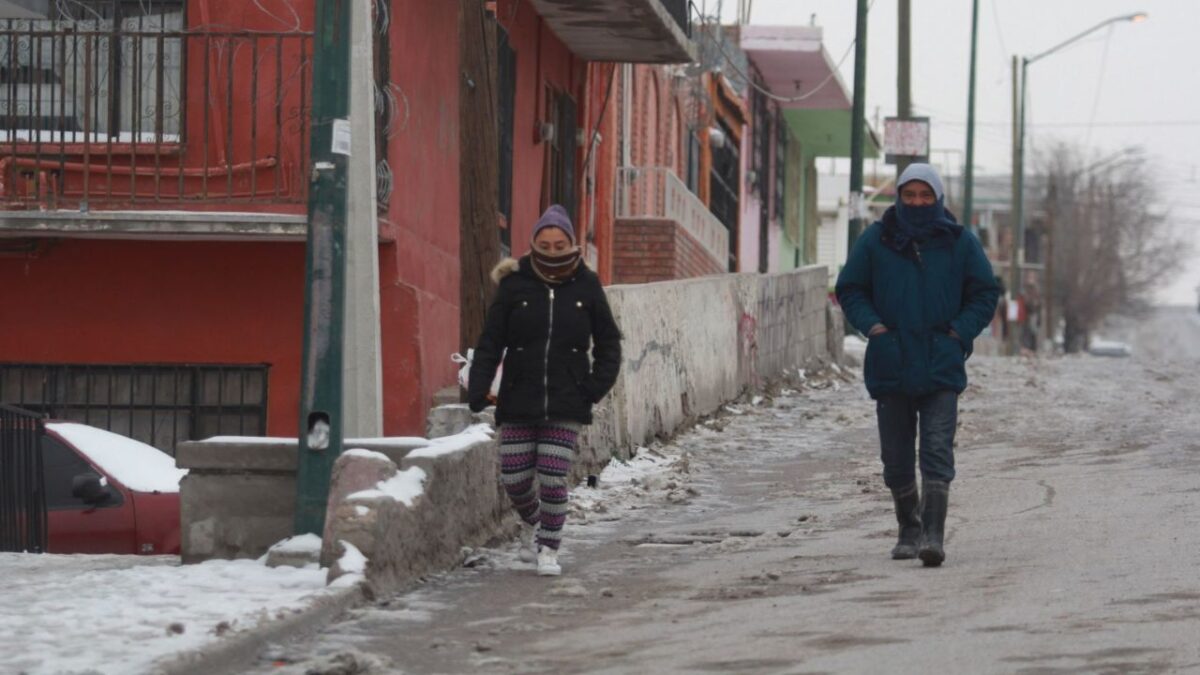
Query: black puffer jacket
x,y
547,330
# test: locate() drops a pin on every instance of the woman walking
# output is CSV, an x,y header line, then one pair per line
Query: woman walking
x,y
548,310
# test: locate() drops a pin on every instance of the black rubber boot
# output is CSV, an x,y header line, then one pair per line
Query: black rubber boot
x,y
935,497
908,514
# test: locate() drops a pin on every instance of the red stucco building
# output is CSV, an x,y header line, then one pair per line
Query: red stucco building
x,y
153,182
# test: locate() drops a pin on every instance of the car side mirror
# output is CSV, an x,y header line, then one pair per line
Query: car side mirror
x,y
88,488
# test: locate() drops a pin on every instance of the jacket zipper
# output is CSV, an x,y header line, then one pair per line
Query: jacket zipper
x,y
546,371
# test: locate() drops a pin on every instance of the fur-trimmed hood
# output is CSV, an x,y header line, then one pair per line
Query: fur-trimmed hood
x,y
504,268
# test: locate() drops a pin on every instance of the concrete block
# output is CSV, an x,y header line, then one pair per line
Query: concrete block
x,y
297,551
463,488
462,504
447,396
354,471
448,420
257,455
229,516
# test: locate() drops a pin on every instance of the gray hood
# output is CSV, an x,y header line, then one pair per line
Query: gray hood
x,y
924,173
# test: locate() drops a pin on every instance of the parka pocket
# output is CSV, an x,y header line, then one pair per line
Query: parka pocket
x,y
580,369
946,359
883,365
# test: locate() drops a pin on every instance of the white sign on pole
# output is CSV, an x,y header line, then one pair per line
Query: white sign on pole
x,y
907,138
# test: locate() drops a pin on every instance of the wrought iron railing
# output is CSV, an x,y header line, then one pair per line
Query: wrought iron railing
x,y
111,114
22,493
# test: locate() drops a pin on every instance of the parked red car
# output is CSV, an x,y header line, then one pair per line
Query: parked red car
x,y
106,493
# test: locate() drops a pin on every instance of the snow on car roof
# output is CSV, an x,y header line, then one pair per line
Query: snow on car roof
x,y
137,466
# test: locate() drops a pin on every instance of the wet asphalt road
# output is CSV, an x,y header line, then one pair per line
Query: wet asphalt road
x,y
1074,544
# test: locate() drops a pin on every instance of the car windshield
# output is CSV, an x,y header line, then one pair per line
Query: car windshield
x,y
134,464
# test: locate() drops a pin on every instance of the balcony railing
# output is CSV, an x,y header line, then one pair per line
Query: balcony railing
x,y
656,192
103,115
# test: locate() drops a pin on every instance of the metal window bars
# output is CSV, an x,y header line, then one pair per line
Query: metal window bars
x,y
161,405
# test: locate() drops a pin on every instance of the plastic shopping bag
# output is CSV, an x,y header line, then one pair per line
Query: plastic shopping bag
x,y
464,373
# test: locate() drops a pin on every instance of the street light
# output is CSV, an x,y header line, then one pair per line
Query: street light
x,y
1017,247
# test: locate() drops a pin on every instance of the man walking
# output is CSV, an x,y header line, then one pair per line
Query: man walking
x,y
921,289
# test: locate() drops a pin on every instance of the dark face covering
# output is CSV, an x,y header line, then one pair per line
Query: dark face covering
x,y
918,224
555,268
920,216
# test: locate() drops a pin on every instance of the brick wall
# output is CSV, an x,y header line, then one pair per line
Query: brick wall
x,y
658,249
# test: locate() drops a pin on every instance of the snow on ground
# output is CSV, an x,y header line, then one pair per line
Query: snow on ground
x,y
74,614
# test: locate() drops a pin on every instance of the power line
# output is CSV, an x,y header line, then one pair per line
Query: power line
x,y
1099,86
775,97
1064,125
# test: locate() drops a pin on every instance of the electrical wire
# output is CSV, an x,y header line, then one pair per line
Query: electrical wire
x,y
1099,86
600,119
1004,53
1068,125
771,95
296,23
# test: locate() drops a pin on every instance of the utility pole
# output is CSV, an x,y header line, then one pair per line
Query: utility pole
x,y
1014,265
321,421
857,129
1048,285
969,169
479,177
1019,106
362,377
904,74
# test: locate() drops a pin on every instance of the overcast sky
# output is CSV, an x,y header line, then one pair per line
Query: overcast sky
x,y
1130,84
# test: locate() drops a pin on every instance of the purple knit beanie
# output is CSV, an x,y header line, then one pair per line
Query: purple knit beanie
x,y
555,216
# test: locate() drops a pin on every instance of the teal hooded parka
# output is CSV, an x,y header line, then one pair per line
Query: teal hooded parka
x,y
920,288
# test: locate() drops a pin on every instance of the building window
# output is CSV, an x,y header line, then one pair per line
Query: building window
x,y
761,157
693,162
115,63
506,88
161,405
562,150
724,181
781,153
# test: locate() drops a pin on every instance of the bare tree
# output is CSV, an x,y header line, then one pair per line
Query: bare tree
x,y
1113,244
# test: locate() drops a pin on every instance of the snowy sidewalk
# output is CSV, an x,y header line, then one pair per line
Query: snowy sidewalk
x,y
75,614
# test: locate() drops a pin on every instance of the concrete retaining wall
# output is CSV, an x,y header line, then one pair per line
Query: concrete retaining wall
x,y
692,345
239,496
689,347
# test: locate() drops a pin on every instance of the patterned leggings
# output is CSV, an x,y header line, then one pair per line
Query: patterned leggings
x,y
541,451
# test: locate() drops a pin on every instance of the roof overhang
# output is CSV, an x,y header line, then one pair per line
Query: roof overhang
x,y
793,63
623,31
826,133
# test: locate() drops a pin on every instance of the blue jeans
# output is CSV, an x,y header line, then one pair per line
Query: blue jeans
x,y
899,417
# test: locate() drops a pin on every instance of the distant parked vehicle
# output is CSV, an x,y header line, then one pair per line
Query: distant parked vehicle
x,y
106,493
1109,348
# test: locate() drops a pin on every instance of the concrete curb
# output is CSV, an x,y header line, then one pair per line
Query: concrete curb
x,y
234,653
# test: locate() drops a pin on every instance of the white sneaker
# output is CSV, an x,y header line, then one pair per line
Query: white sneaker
x,y
528,551
547,560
